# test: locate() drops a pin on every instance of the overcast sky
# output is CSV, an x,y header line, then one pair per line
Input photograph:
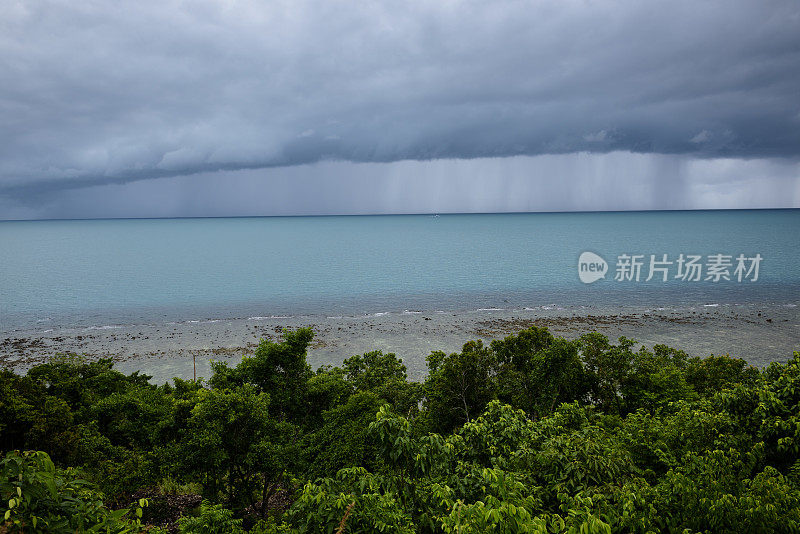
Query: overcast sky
x,y
162,108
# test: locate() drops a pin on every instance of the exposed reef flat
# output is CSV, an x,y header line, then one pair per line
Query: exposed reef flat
x,y
759,334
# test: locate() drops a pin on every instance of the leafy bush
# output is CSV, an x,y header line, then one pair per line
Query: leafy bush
x,y
213,519
531,433
37,497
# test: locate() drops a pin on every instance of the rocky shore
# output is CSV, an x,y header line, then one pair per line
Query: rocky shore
x,y
759,334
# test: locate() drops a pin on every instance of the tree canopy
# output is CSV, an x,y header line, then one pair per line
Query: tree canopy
x,y
531,433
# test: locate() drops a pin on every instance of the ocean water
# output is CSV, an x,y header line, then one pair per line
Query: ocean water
x,y
102,273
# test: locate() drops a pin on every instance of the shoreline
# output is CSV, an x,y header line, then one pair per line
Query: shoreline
x,y
759,334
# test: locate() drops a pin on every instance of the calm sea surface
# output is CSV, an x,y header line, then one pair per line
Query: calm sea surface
x,y
56,274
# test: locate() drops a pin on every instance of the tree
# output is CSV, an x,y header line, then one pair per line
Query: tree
x,y
343,439
279,369
609,365
373,369
384,375
712,374
538,372
459,386
233,446
655,379
80,382
326,390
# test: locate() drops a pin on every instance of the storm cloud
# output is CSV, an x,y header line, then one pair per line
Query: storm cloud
x,y
99,93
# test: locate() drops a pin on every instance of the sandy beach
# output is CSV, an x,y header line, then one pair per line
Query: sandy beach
x,y
759,334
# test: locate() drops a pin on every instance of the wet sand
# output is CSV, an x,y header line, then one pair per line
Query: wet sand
x,y
759,334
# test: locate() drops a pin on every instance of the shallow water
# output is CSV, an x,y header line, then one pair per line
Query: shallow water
x,y
105,273
152,293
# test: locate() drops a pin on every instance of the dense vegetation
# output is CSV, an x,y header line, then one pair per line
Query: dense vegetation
x,y
532,433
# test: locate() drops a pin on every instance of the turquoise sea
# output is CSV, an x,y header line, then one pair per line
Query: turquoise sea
x,y
67,273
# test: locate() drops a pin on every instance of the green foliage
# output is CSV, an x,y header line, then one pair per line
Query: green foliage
x,y
724,492
270,525
17,400
507,506
213,519
659,443
372,370
50,425
325,390
779,412
343,439
715,373
234,446
532,433
459,386
277,368
609,365
353,499
80,382
37,497
496,434
384,375
537,372
130,417
169,486
532,371
655,379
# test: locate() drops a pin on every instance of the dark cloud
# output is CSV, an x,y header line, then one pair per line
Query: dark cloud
x,y
564,182
96,93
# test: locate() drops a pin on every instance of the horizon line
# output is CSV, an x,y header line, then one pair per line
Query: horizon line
x,y
408,214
